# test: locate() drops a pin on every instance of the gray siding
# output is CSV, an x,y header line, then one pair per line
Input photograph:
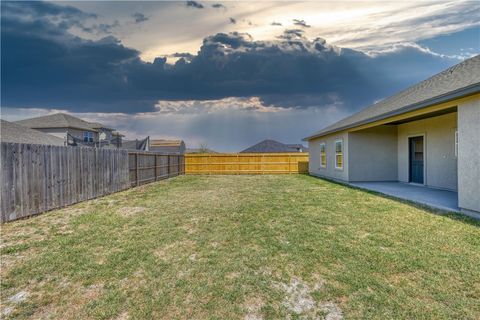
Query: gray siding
x,y
58,132
373,154
469,155
439,142
62,132
314,157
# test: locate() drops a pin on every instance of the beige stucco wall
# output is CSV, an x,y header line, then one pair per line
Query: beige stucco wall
x,y
58,132
469,155
314,156
373,154
439,143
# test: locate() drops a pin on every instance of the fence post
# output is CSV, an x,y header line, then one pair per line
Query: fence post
x,y
168,166
155,175
289,162
262,162
179,164
136,168
182,164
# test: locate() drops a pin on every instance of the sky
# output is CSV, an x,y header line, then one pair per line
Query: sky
x,y
226,74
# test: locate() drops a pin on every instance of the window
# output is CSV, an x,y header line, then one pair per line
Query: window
x,y
323,155
339,154
456,143
88,136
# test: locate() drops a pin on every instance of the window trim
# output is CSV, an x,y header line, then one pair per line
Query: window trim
x,y
88,135
324,144
338,153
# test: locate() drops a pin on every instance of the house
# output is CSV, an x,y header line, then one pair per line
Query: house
x,y
74,130
272,146
15,133
427,135
167,146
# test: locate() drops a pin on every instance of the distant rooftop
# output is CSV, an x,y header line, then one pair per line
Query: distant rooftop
x,y
60,120
272,146
15,133
165,143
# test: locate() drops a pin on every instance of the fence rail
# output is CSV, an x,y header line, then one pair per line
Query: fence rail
x,y
38,178
246,163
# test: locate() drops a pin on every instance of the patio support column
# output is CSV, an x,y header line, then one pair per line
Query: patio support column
x,y
469,155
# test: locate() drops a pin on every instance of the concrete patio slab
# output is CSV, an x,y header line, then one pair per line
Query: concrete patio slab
x,y
435,198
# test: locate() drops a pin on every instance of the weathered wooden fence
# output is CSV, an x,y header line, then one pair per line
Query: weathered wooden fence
x,y
38,178
148,167
246,163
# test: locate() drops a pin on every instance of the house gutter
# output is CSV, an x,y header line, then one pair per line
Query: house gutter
x,y
68,127
453,95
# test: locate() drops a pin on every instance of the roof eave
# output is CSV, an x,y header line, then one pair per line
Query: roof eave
x,y
64,127
453,95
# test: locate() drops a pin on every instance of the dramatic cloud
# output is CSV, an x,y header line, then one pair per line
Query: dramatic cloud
x,y
184,55
218,6
365,26
60,17
194,4
139,17
44,65
301,23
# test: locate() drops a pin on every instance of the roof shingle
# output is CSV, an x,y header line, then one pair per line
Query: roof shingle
x,y
15,133
60,120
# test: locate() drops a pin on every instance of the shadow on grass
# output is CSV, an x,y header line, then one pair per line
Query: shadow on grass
x,y
457,216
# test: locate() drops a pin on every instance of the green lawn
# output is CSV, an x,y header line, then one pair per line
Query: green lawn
x,y
241,247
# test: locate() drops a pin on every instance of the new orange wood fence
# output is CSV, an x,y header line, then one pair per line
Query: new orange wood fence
x,y
246,163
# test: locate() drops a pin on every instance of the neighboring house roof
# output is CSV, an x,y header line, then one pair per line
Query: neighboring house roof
x,y
136,144
98,125
455,82
118,134
12,132
272,146
167,146
165,143
60,120
200,150
298,146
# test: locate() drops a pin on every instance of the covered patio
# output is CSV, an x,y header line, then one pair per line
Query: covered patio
x,y
435,198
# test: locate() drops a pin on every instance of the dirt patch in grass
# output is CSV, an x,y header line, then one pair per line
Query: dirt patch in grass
x,y
253,308
177,250
122,316
130,211
331,311
298,301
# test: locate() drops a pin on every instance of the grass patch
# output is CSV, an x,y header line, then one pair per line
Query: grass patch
x,y
241,247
